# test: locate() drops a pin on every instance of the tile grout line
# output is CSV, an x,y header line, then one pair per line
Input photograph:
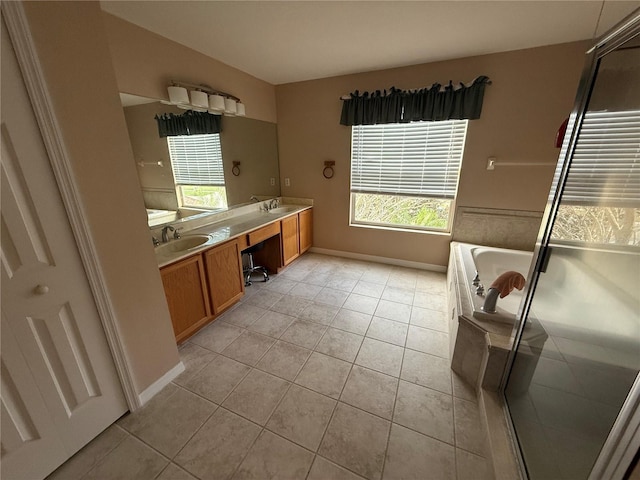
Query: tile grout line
x,y
291,383
263,427
328,354
455,435
350,369
133,435
254,367
393,412
101,459
218,406
335,407
191,437
278,404
331,326
313,349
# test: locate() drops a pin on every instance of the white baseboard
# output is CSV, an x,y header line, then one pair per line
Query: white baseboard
x,y
375,258
159,384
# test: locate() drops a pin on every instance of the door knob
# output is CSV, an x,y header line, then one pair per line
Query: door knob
x,y
41,289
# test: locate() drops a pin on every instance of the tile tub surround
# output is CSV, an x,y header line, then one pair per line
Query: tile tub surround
x,y
316,402
513,229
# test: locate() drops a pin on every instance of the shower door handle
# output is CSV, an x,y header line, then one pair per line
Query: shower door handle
x,y
543,259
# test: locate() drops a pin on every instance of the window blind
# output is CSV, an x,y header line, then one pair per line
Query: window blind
x,y
605,167
420,159
196,159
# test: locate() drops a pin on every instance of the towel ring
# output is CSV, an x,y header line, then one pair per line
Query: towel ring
x,y
328,172
236,169
328,169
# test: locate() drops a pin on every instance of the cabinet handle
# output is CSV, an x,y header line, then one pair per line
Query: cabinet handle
x,y
41,290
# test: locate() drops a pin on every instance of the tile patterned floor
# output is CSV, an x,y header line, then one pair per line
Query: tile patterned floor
x,y
334,369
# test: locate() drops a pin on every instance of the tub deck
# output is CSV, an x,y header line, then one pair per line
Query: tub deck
x,y
479,351
481,343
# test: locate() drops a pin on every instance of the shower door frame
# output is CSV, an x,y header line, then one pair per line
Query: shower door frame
x,y
616,455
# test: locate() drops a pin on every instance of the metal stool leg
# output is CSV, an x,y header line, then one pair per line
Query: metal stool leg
x,y
252,268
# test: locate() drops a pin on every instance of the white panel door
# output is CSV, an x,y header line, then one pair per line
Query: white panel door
x,y
30,443
59,385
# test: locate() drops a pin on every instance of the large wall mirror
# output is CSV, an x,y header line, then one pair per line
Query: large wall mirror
x,y
252,143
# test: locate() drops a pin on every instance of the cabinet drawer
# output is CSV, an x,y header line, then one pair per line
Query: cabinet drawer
x,y
263,233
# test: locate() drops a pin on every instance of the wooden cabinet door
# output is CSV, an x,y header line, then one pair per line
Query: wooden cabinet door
x,y
306,230
290,239
185,288
224,271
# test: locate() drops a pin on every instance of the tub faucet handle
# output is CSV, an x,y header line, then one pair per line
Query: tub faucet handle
x,y
476,280
480,290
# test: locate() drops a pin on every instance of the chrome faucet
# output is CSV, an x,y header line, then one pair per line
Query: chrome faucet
x,y
490,300
165,234
271,204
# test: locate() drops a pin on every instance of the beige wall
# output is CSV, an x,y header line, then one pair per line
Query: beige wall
x,y
253,143
74,54
145,63
532,93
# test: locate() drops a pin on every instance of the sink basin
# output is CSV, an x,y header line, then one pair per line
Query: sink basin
x,y
183,244
284,209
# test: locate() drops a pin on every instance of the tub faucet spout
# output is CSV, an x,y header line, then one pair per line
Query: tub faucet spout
x,y
490,300
165,233
503,286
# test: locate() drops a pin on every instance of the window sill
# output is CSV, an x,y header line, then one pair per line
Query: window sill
x,y
442,233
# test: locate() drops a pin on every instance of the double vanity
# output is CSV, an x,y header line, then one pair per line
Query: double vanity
x,y
202,271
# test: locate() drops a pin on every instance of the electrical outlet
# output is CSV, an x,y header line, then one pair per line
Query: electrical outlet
x,y
287,182
273,182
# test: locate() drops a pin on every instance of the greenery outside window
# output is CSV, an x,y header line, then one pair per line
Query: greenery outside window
x,y
198,174
405,175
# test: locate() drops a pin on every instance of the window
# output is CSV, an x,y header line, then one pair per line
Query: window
x,y
602,193
197,170
405,175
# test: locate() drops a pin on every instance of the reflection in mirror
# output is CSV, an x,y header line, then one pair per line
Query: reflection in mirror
x,y
252,143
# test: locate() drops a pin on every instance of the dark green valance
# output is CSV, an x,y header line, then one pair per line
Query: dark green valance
x,y
427,104
189,123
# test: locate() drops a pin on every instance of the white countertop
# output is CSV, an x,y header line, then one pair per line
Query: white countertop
x,y
224,230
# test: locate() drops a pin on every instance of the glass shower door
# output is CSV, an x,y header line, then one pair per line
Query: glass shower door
x,y
579,347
